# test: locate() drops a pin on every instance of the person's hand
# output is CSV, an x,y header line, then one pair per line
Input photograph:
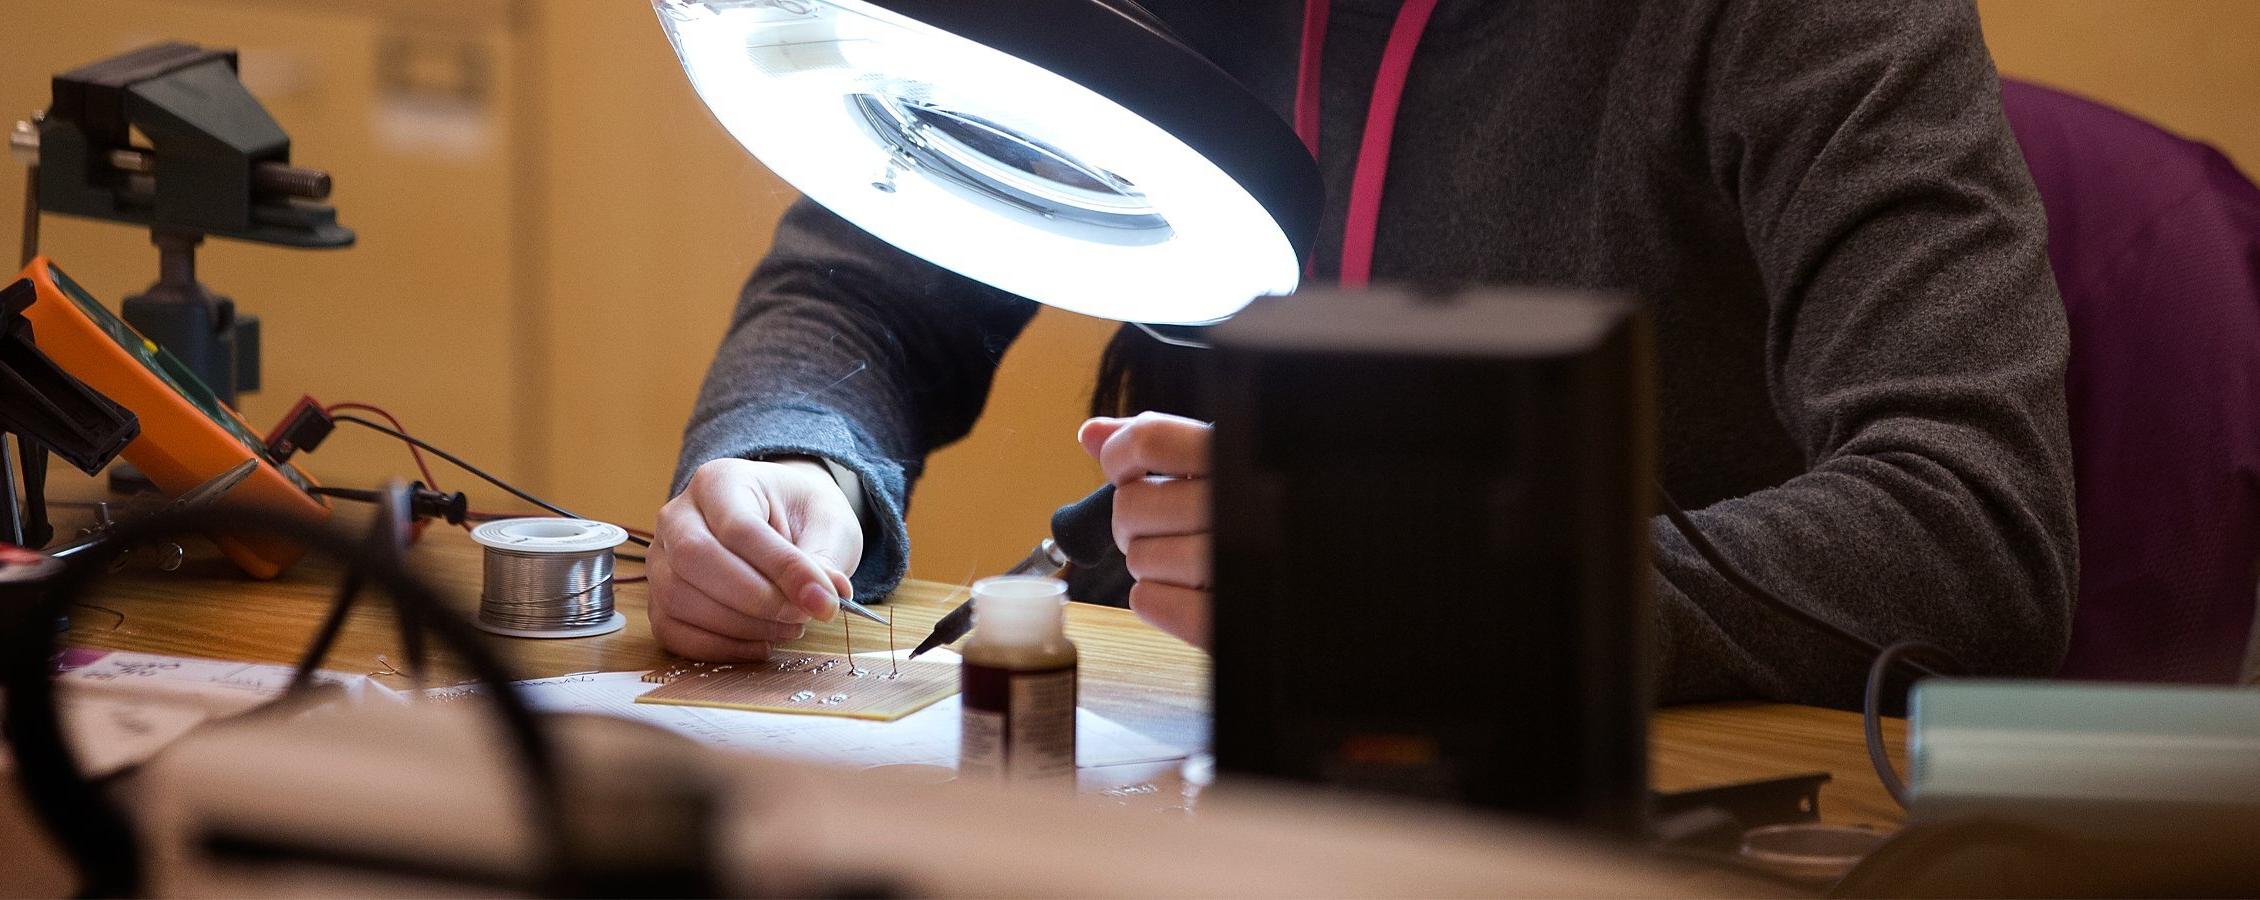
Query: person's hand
x,y
747,554
1159,466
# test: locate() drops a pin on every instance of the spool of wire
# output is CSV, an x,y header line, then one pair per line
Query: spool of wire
x,y
549,578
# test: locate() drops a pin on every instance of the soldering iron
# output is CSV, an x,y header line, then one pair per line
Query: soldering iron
x,y
1082,535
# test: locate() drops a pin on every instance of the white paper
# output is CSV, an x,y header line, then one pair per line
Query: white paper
x,y
119,707
218,687
926,737
122,707
110,733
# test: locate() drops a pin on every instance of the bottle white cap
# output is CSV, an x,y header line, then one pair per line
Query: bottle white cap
x,y
1015,608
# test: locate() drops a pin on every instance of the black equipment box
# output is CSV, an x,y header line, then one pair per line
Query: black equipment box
x,y
1431,560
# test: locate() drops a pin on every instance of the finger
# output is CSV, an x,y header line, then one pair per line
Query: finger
x,y
684,550
1155,443
692,642
656,569
833,536
1182,612
835,541
696,558
686,604
1159,507
1180,560
1094,432
740,521
842,585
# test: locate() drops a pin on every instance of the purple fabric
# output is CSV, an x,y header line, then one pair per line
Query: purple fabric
x,y
2156,245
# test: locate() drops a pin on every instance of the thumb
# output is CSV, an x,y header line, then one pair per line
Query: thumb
x,y
835,572
1094,433
805,580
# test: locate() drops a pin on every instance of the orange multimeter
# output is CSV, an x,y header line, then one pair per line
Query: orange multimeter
x,y
187,434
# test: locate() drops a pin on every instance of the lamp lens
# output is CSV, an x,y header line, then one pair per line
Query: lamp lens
x,y
988,162
979,161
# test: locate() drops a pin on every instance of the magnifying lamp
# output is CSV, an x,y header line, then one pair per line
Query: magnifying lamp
x,y
1069,151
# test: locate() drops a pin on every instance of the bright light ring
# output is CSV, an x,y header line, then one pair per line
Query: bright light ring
x,y
982,163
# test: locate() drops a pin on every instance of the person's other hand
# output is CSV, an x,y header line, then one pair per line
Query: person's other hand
x,y
1159,466
747,554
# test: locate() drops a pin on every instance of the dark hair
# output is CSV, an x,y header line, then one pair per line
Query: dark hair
x,y
1138,373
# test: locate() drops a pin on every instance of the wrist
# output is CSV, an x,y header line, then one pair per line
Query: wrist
x,y
809,464
842,477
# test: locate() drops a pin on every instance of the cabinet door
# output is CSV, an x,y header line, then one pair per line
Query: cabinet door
x,y
651,217
407,105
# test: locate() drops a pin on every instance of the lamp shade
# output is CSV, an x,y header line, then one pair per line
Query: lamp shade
x,y
1069,151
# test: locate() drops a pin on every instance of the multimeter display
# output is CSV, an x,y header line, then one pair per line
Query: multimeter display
x,y
187,435
168,369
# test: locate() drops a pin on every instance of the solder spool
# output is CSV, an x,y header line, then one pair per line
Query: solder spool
x,y
548,578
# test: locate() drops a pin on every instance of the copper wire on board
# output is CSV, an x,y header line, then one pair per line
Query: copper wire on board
x,y
803,682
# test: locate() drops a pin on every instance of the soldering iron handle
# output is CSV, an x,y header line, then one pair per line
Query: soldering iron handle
x,y
1083,531
1085,528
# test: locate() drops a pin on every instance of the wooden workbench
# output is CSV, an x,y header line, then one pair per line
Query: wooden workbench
x,y
1131,673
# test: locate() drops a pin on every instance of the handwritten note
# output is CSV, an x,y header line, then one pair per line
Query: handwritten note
x,y
120,707
218,687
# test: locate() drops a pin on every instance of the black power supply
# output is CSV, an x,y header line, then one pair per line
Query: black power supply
x,y
1431,560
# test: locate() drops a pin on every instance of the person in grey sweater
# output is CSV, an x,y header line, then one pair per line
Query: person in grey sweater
x,y
1861,348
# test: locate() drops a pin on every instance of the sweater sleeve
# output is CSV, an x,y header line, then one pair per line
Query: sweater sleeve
x,y
846,348
1915,352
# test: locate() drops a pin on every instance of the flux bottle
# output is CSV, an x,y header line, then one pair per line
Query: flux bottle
x,y
1018,683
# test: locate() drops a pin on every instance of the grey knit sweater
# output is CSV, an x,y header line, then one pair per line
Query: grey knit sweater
x,y
1861,345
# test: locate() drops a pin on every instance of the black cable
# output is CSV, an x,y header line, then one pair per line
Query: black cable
x,y
1871,712
121,617
458,462
83,818
325,636
386,533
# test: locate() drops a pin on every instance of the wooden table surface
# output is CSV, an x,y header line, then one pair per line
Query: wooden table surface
x,y
1131,673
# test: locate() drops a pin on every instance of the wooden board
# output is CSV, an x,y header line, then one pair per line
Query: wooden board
x,y
814,684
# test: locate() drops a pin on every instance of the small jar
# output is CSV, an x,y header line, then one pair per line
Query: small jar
x,y
1018,684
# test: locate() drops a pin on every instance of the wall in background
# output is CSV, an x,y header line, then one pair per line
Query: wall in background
x,y
553,231
2188,65
409,107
